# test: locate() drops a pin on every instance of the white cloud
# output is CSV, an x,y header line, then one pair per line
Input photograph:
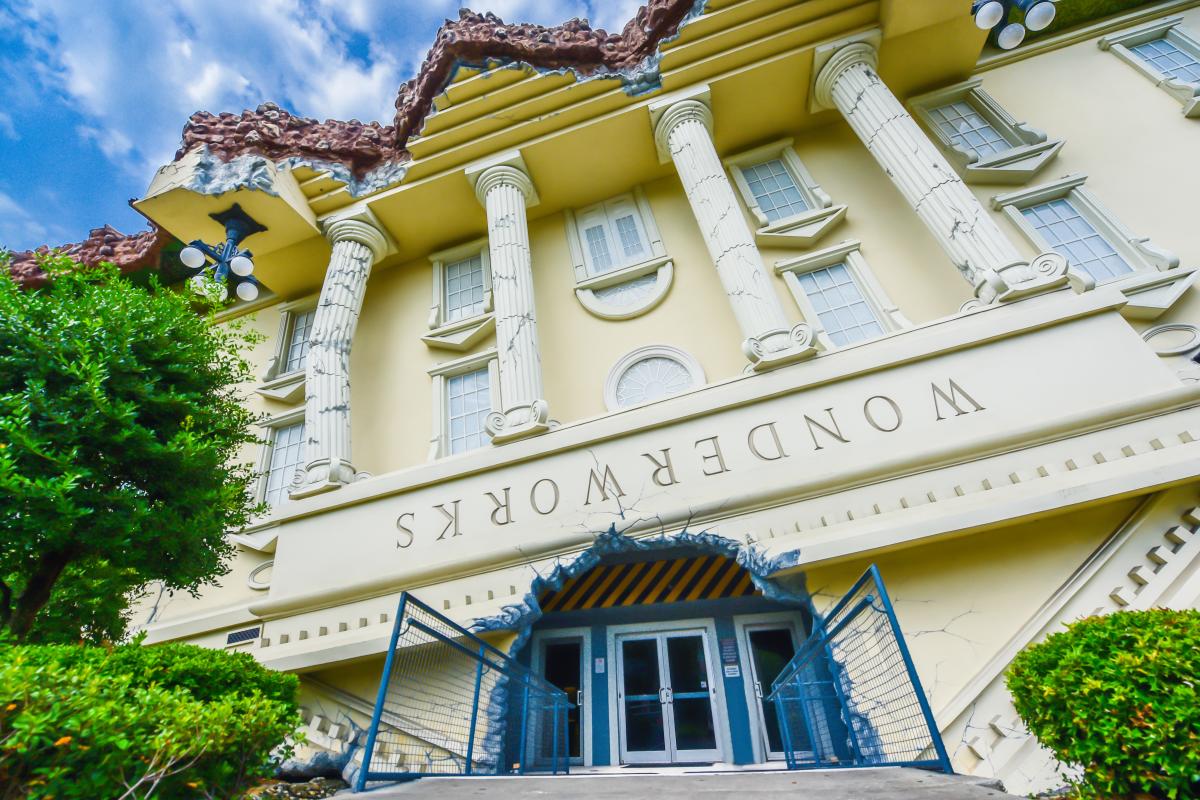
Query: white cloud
x,y
7,129
136,70
17,225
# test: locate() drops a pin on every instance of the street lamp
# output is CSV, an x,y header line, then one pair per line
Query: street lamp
x,y
992,15
216,268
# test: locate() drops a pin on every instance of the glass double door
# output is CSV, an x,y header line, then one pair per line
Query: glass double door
x,y
667,699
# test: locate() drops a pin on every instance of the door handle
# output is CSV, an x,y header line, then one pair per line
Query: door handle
x,y
758,690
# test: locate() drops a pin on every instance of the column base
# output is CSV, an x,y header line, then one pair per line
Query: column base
x,y
322,476
778,348
519,422
1049,272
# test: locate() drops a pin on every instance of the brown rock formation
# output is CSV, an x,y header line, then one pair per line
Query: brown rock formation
x,y
476,39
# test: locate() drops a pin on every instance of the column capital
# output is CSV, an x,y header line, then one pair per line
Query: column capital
x,y
504,169
504,175
362,228
843,58
673,116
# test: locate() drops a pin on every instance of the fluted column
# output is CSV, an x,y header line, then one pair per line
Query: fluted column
x,y
684,131
357,245
984,256
505,190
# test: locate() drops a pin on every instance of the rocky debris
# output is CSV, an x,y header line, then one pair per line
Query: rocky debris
x,y
276,133
130,252
317,787
476,39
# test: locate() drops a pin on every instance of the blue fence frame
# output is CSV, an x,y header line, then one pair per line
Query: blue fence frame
x,y
851,697
451,704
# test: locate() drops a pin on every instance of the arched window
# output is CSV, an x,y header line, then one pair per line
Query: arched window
x,y
651,373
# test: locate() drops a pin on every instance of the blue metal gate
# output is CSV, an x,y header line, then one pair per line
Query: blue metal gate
x,y
851,697
451,704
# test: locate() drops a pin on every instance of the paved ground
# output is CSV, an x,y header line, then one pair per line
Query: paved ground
x,y
858,784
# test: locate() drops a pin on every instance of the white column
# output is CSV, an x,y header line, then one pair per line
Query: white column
x,y
987,259
684,131
505,190
357,245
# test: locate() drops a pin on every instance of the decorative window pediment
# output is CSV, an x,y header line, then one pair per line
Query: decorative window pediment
x,y
1165,53
1065,217
283,379
839,296
789,205
460,315
621,266
984,142
465,391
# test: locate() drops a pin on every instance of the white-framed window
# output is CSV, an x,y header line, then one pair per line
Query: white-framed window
x,y
1166,53
985,142
1064,217
282,455
839,296
651,373
788,205
465,391
299,328
460,315
621,266
283,379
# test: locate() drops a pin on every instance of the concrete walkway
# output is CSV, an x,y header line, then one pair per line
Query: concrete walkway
x,y
848,784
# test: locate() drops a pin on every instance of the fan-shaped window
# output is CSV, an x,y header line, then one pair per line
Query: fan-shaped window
x,y
651,373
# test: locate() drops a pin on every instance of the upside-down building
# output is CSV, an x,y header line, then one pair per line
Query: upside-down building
x,y
630,353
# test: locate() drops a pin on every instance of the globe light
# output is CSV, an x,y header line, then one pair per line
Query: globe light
x,y
989,14
1010,36
199,284
241,266
1038,15
247,291
191,257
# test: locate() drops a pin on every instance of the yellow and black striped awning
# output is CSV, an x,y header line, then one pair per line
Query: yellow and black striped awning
x,y
651,582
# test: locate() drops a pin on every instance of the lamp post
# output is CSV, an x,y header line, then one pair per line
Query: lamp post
x,y
228,262
992,15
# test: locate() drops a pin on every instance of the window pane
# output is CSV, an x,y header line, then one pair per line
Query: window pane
x,y
464,288
774,190
1167,58
966,127
287,455
652,379
298,342
468,404
1076,239
597,245
631,239
844,312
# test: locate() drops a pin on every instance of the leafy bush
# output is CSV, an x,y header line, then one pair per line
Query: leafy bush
x,y
1119,697
78,722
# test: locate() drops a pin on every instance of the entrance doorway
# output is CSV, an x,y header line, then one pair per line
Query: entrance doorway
x,y
562,661
666,698
771,648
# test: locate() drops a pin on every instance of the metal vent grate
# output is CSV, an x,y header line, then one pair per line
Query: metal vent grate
x,y
237,637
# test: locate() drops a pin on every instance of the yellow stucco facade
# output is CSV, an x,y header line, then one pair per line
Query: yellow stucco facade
x,y
1007,457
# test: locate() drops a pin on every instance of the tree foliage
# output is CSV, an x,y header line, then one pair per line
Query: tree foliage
x,y
1118,697
120,429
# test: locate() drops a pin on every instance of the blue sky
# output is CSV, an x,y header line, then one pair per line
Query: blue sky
x,y
94,93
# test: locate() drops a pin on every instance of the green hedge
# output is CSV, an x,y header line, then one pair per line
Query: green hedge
x,y
174,721
1118,697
